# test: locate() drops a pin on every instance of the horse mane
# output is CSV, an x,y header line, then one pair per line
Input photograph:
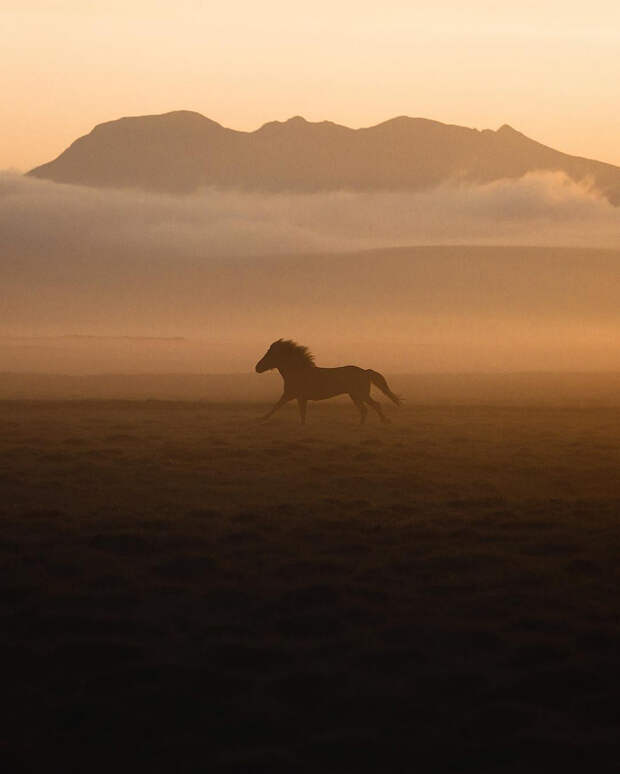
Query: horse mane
x,y
295,352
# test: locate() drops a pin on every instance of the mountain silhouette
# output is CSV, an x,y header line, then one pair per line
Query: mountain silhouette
x,y
183,151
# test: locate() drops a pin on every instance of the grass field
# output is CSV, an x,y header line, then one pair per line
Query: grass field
x,y
183,588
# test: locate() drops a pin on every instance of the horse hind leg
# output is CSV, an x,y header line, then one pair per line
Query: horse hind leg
x,y
361,407
377,407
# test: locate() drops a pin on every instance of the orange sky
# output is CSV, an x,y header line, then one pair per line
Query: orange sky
x,y
549,68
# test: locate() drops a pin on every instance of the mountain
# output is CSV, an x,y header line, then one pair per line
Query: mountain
x,y
183,151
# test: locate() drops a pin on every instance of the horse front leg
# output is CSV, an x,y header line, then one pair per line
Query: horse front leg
x,y
284,399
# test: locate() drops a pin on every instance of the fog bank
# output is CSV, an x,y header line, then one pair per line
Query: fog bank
x,y
539,209
106,281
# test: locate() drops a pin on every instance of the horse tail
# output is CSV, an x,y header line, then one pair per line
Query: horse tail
x,y
379,381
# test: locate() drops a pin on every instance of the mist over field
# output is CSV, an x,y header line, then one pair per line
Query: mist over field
x,y
204,282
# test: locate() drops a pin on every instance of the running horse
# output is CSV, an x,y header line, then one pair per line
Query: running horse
x,y
305,381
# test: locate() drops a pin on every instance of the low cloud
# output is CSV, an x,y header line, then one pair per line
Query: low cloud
x,y
539,209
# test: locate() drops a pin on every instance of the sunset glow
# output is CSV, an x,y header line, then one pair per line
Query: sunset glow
x,y
550,70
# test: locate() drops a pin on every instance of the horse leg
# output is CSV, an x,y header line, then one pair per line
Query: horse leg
x,y
377,407
302,403
361,407
284,399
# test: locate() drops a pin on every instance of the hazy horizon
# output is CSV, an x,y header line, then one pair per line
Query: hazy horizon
x,y
233,271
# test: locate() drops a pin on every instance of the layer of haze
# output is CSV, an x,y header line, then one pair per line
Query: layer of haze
x,y
549,69
101,281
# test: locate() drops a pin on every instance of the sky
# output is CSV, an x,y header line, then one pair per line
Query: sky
x,y
548,68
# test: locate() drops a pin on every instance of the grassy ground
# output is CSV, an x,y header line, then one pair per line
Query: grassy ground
x,y
183,588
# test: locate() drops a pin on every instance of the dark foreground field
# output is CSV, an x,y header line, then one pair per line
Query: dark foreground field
x,y
185,589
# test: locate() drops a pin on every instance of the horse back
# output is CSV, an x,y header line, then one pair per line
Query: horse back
x,y
320,383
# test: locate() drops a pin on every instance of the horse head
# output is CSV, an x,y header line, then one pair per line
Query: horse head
x,y
270,359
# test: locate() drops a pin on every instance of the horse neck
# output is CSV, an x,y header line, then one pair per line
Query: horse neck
x,y
288,369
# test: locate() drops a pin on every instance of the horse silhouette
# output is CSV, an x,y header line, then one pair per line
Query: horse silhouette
x,y
305,381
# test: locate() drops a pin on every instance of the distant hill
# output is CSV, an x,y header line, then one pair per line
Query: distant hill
x,y
183,151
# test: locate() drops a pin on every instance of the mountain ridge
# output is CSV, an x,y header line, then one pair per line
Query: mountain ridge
x,y
182,151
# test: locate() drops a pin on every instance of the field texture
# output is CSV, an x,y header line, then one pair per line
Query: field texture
x,y
183,588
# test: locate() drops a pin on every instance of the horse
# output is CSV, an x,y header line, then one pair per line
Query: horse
x,y
305,381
